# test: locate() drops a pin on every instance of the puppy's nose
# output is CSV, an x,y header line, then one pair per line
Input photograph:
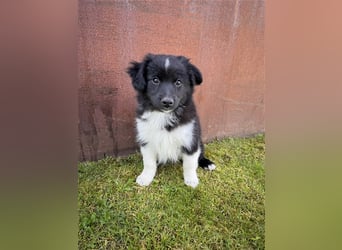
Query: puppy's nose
x,y
167,102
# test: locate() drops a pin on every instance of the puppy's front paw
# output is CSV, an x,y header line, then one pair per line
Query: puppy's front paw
x,y
144,179
191,181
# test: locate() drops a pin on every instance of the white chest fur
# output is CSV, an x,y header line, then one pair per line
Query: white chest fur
x,y
166,145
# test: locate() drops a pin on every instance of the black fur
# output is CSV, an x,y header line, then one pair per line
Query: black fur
x,y
157,90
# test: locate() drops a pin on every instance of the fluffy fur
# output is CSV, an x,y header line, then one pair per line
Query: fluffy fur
x,y
168,127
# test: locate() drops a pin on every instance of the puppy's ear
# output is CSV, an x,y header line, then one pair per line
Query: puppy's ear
x,y
194,73
136,71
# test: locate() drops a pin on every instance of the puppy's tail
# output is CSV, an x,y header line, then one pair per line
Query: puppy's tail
x,y
205,163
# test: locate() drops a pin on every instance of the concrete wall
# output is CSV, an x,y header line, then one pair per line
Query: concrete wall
x,y
225,39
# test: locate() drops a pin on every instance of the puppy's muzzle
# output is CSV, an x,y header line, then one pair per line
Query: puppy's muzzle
x,y
167,102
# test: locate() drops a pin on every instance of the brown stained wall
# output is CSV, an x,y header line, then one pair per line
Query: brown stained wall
x,y
225,39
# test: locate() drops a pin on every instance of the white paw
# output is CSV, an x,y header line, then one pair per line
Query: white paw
x,y
144,180
192,182
211,167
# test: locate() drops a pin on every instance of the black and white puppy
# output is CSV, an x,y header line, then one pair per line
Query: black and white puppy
x,y
168,127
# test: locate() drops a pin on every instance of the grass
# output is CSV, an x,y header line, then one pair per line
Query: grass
x,y
226,210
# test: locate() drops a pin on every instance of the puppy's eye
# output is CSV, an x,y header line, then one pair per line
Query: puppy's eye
x,y
178,83
155,80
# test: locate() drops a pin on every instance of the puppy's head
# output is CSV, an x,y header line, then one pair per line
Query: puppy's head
x,y
167,81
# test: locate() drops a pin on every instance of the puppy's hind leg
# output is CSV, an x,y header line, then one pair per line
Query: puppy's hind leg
x,y
204,162
150,166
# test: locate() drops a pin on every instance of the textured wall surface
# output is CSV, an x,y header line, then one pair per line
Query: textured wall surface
x,y
225,39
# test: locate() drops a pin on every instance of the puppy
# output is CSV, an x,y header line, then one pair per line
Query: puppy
x,y
168,127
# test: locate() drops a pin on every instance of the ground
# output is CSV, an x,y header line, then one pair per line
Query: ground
x,y
226,210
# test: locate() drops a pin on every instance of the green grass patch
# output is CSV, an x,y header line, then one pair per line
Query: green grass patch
x,y
225,211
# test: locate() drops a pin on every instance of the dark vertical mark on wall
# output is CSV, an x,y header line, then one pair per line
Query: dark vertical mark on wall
x,y
108,108
87,127
97,128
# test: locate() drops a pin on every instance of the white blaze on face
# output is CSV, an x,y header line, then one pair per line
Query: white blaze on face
x,y
167,63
